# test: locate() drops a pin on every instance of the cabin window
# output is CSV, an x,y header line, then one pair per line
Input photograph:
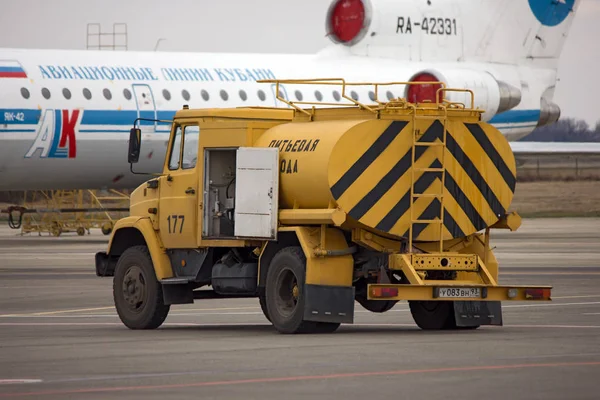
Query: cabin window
x,y
224,95
191,135
25,93
205,95
336,95
67,93
185,94
354,95
175,150
46,93
372,95
166,94
243,95
298,95
389,95
107,94
261,95
87,94
318,95
127,94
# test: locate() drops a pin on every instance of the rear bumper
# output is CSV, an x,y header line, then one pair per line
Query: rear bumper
x,y
437,292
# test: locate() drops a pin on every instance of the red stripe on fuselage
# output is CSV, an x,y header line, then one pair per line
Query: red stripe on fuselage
x,y
13,74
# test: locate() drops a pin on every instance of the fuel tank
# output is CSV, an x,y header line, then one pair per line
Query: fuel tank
x,y
457,175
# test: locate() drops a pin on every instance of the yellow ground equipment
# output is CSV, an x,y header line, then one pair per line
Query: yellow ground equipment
x,y
312,208
63,211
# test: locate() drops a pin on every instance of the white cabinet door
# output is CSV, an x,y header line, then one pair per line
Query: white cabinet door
x,y
256,192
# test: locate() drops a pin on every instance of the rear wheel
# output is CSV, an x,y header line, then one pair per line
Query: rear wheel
x,y
285,294
433,315
137,293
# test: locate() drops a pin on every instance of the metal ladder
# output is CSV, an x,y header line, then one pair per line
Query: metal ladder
x,y
438,195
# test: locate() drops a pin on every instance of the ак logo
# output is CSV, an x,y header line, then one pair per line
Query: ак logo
x,y
56,135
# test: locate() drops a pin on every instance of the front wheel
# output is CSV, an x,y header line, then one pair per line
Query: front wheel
x,y
137,293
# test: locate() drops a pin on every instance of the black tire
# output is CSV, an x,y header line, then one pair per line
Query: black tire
x,y
433,315
376,306
137,293
436,315
262,300
107,229
285,294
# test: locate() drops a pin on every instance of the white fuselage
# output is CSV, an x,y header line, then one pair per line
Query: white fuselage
x,y
52,136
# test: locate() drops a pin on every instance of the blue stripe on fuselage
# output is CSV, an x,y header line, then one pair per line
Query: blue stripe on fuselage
x,y
516,117
19,116
126,118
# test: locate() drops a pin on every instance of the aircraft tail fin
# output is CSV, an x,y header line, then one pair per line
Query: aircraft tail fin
x,y
519,31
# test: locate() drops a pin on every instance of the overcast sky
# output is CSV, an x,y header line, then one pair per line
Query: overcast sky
x,y
271,26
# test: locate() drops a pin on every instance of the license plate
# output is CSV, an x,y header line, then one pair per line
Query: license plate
x,y
460,292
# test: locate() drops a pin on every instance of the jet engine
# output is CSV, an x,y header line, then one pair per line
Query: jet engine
x,y
491,95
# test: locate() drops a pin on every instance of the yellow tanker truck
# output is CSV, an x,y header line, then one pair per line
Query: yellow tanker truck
x,y
311,207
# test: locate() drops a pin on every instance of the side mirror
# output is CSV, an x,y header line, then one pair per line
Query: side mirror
x,y
135,139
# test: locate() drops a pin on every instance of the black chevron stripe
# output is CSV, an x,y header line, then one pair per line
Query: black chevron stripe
x,y
474,174
424,181
434,132
431,212
463,201
361,165
493,154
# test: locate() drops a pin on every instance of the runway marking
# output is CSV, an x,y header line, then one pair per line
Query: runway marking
x,y
306,378
243,324
195,311
550,273
35,314
192,311
17,381
549,304
591,313
577,297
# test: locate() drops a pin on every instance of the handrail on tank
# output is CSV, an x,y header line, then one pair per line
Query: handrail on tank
x,y
381,105
443,89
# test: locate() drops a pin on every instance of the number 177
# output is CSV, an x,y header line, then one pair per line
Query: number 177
x,y
174,219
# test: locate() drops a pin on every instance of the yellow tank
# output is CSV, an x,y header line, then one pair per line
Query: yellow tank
x,y
364,167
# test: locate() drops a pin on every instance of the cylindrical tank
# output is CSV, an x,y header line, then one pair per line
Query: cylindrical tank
x,y
365,168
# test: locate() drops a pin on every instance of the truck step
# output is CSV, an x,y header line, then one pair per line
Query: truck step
x,y
176,281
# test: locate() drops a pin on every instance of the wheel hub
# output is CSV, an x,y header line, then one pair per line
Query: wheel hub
x,y
134,288
287,293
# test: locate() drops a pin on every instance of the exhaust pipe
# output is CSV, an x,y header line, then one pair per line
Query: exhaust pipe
x,y
510,97
549,113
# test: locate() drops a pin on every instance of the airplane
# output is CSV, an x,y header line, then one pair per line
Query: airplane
x,y
65,115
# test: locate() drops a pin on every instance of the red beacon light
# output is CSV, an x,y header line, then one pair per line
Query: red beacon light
x,y
422,93
347,21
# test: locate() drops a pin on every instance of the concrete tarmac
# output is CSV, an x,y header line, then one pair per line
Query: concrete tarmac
x,y
60,337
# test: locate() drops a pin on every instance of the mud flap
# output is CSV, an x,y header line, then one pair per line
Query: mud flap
x,y
329,303
475,313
